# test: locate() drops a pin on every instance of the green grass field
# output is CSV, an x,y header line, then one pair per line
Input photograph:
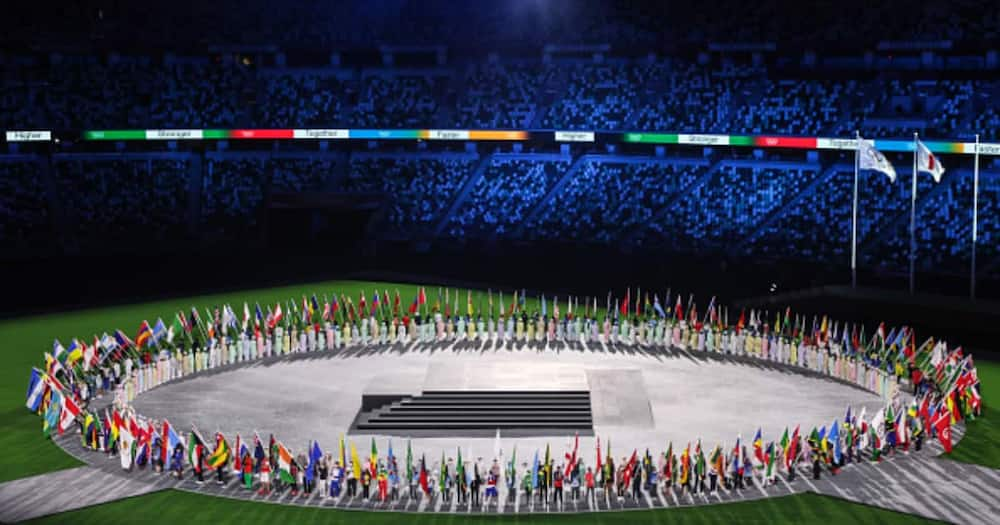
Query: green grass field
x,y
27,453
178,507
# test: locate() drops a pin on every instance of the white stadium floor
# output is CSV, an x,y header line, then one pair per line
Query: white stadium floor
x,y
640,399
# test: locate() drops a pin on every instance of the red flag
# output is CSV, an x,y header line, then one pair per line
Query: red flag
x,y
422,297
624,305
679,309
599,469
571,459
942,423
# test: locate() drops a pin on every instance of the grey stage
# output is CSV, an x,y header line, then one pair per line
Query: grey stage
x,y
640,398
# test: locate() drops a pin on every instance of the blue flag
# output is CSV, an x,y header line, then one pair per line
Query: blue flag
x,y
36,390
315,454
834,439
534,472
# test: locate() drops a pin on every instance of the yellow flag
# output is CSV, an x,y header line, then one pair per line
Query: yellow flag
x,y
356,460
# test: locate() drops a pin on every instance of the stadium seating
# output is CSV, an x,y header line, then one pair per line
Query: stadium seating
x,y
421,188
24,203
502,198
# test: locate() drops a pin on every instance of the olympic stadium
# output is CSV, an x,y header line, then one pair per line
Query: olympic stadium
x,y
522,260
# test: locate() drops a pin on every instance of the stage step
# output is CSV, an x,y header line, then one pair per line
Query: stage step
x,y
480,412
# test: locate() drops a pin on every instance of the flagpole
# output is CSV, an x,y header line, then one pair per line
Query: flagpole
x,y
975,218
854,212
913,214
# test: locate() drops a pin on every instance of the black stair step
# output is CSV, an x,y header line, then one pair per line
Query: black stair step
x,y
507,419
501,393
483,413
467,426
499,408
494,401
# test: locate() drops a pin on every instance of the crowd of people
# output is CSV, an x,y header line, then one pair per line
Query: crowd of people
x,y
502,198
772,209
674,94
926,388
422,187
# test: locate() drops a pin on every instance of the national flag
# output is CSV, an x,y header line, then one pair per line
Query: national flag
x,y
679,309
409,461
423,474
624,305
284,466
159,331
237,455
53,366
343,452
571,458
59,352
143,335
278,315
170,440
769,459
220,456
315,455
598,471
123,340
758,447
415,304
872,159
927,162
834,439
942,424
75,352
36,390
534,468
791,450
657,307
356,461
685,465
374,460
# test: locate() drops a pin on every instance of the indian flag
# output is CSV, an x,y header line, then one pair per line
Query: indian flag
x,y
285,464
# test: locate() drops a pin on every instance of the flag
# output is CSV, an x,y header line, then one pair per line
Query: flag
x,y
36,390
409,461
624,305
942,423
443,477
758,446
170,441
927,162
220,456
284,466
791,450
75,352
356,461
872,159
159,331
834,438
237,454
657,307
374,460
144,334
315,454
534,468
769,459
343,452
423,475
571,458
